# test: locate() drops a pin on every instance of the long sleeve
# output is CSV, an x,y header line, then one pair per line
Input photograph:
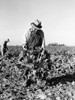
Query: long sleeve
x,y
43,39
27,35
43,43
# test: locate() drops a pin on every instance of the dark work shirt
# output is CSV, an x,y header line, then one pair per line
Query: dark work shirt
x,y
5,44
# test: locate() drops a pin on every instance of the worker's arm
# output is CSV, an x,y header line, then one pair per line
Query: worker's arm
x,y
43,43
27,36
43,40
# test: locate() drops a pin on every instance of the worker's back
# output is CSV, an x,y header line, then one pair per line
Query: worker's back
x,y
35,39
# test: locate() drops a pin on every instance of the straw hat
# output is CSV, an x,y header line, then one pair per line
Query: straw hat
x,y
37,24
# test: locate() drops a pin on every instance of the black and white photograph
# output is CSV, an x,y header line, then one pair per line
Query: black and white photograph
x,y
37,49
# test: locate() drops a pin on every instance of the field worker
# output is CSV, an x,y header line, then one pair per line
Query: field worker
x,y
5,47
34,38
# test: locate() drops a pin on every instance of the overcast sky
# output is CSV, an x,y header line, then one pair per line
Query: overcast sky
x,y
57,17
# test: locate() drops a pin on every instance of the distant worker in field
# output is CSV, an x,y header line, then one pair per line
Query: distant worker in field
x,y
5,47
34,38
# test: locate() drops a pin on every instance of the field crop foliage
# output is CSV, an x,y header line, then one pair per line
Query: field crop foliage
x,y
38,75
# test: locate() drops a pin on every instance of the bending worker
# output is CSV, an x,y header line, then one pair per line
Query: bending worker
x,y
34,38
5,47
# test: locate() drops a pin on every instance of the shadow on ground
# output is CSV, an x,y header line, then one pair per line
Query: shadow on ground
x,y
62,79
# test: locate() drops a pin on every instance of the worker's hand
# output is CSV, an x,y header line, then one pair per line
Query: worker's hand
x,y
41,48
24,47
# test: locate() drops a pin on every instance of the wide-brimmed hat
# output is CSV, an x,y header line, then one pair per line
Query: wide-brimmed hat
x,y
37,24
